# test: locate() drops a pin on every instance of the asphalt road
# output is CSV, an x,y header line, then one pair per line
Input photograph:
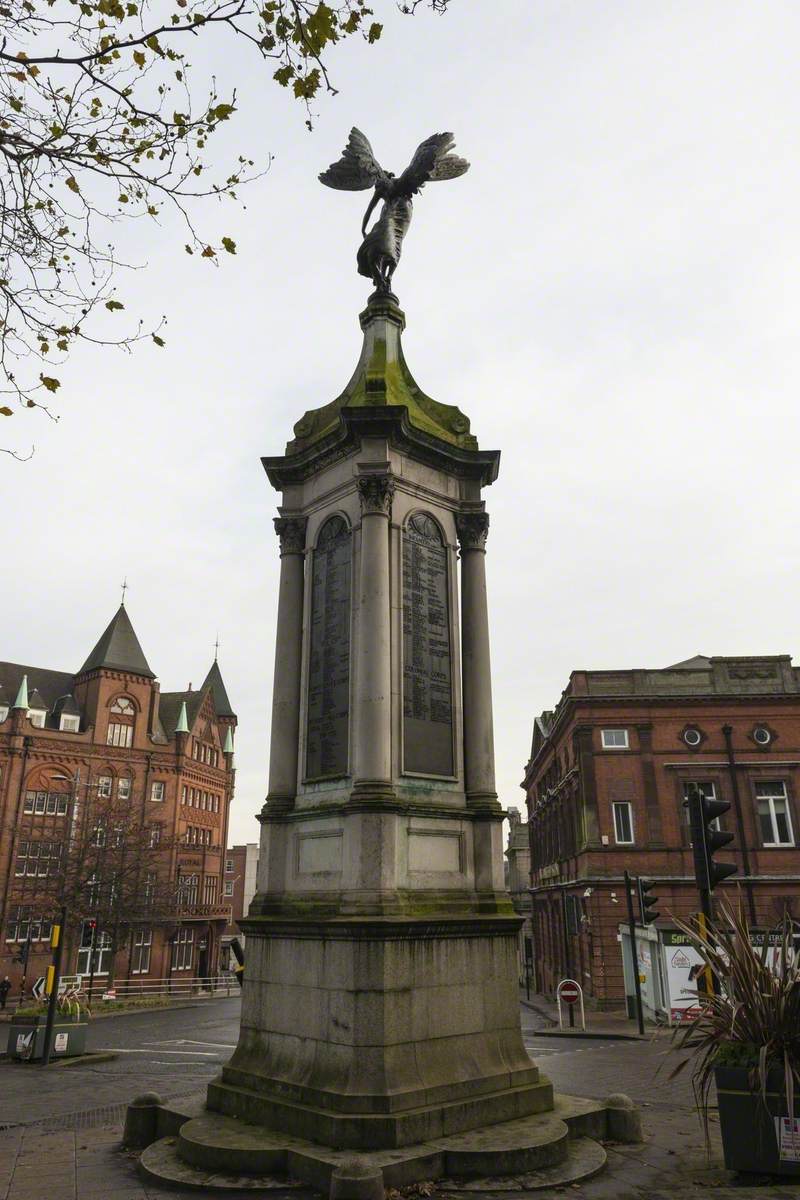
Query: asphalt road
x,y
171,1051
175,1052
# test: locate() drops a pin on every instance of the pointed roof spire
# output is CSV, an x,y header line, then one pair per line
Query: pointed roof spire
x,y
118,648
221,701
228,747
183,720
22,695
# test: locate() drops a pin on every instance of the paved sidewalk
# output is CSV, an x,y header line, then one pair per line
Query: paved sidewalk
x,y
89,1165
598,1024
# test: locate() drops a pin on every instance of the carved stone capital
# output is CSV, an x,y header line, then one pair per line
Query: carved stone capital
x,y
292,533
473,530
375,493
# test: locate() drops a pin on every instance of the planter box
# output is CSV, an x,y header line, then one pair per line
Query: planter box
x,y
755,1137
26,1038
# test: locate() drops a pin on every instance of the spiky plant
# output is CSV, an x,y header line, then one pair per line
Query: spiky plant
x,y
752,1018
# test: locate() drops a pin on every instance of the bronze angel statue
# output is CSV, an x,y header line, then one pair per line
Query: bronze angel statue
x,y
358,169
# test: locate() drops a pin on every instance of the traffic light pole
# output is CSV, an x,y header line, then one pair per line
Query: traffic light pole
x,y
24,957
637,983
54,973
91,959
727,733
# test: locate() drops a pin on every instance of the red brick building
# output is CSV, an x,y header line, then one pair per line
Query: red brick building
x,y
239,884
107,734
609,770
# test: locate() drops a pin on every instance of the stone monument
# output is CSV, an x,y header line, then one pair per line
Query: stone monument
x,y
380,1005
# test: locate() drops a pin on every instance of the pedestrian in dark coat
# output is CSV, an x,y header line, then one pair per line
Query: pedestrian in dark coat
x,y
5,988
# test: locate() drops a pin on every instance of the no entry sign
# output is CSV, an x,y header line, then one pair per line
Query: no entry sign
x,y
569,992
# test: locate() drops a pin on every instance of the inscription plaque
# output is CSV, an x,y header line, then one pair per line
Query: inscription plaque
x,y
427,672
329,661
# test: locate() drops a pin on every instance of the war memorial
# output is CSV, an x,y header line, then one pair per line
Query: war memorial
x,y
380,1039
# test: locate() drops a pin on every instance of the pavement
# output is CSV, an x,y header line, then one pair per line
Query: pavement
x,y
60,1130
613,1025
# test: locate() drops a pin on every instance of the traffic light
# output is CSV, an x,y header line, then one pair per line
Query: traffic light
x,y
706,841
647,900
23,954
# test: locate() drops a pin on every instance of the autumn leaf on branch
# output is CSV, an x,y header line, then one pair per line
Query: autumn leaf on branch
x,y
100,121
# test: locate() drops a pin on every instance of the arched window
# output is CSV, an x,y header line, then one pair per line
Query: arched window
x,y
427,665
329,661
121,722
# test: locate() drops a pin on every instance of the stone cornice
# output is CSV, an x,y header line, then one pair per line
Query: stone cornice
x,y
390,422
270,813
392,928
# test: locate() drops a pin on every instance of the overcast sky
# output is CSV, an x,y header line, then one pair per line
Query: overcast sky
x,y
611,294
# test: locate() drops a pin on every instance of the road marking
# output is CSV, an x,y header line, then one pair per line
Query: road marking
x,y
182,1053
192,1042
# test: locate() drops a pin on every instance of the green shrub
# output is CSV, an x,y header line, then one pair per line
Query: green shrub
x,y
753,1018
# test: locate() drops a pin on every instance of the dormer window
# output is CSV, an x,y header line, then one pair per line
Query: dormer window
x,y
37,717
3,712
69,724
121,722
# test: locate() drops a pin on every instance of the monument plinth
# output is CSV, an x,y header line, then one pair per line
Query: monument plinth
x,y
380,1006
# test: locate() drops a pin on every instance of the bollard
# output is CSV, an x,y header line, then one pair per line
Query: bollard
x,y
623,1119
356,1179
141,1121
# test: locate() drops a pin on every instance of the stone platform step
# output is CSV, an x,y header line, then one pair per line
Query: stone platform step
x,y
213,1143
585,1158
161,1164
217,1153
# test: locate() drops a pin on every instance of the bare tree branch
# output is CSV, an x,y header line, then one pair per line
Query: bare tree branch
x,y
101,122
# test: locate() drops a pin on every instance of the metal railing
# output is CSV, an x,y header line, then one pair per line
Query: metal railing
x,y
178,984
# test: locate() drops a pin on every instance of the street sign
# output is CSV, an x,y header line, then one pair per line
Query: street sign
x,y
38,989
570,991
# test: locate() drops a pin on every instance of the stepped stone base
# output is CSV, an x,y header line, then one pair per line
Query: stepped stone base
x,y
214,1153
359,1131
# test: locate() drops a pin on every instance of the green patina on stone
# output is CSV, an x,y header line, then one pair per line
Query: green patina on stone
x,y
382,378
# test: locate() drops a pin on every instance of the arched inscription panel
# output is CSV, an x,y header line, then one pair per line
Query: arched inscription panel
x,y
427,664
329,662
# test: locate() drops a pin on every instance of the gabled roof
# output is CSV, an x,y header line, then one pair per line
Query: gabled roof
x,y
221,702
50,684
66,706
698,663
118,649
36,700
169,708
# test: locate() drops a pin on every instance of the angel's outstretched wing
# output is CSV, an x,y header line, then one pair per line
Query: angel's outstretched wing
x,y
431,161
357,169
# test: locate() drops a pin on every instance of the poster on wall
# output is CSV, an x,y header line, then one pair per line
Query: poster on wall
x,y
683,964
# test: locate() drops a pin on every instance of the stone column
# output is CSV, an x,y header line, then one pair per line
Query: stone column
x,y
373,699
473,528
285,733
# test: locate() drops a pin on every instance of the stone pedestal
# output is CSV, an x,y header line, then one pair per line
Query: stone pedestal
x,y
380,999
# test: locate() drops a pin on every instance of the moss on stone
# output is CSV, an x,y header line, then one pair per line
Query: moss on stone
x,y
382,378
